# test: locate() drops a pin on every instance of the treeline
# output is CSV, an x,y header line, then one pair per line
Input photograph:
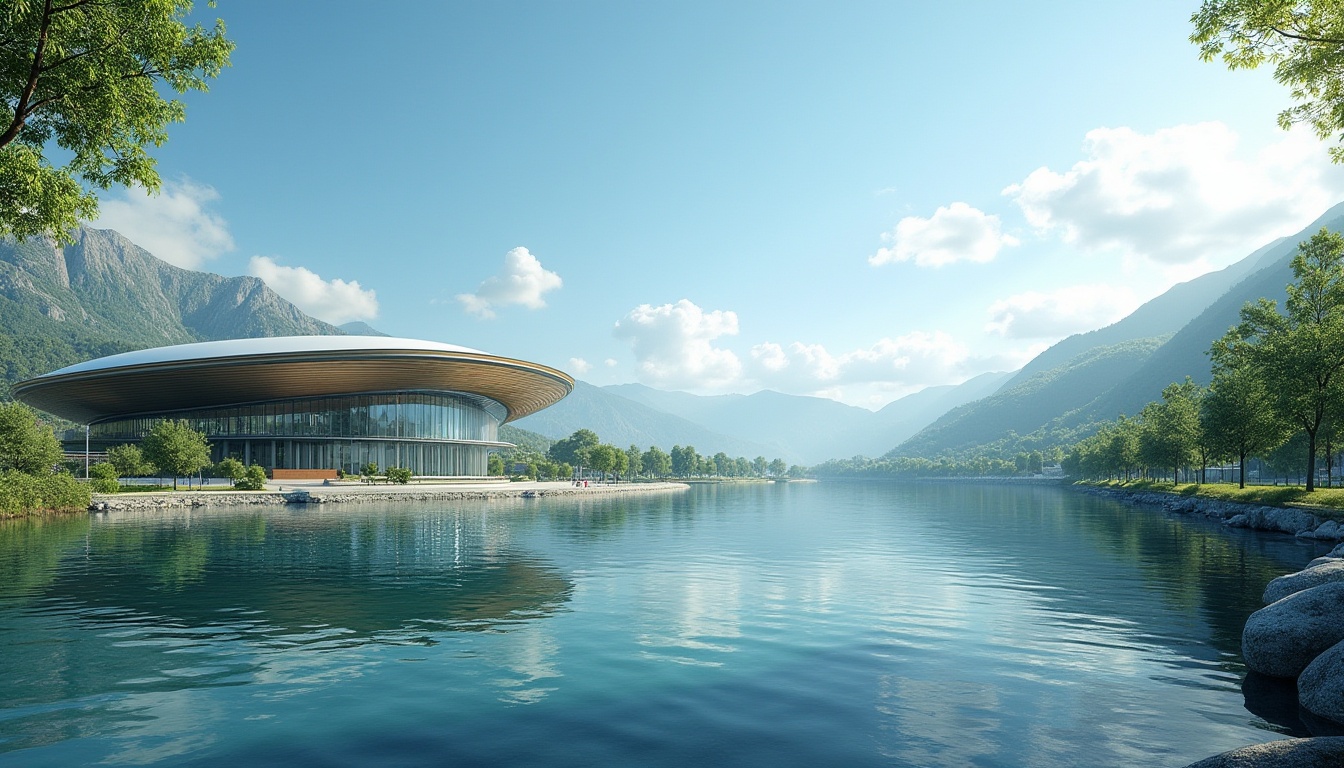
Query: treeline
x,y
584,452
1022,463
1277,391
32,477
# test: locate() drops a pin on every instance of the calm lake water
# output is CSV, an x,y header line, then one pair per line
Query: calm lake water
x,y
822,624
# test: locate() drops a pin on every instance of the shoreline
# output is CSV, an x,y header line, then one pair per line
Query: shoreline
x,y
297,492
1295,521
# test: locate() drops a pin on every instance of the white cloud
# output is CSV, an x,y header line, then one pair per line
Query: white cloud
x,y
1054,315
334,301
174,225
523,281
610,362
954,233
915,359
673,345
579,365
1181,194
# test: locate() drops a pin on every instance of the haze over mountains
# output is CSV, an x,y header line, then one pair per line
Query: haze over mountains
x,y
103,294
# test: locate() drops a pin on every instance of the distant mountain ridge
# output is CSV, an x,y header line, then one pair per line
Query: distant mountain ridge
x,y
1092,377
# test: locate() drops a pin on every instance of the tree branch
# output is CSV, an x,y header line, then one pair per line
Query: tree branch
x,y
1306,38
21,109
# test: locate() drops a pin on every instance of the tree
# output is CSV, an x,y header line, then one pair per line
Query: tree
x,y
1169,436
104,478
86,77
568,450
656,462
25,444
174,447
634,460
777,467
1300,354
1302,39
685,461
130,461
1238,414
759,465
253,480
231,468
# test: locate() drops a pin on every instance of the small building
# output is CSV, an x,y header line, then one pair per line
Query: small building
x,y
307,402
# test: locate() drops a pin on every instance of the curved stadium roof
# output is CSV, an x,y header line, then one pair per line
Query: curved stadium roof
x,y
216,374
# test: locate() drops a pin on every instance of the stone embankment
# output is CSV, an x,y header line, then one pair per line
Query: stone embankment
x,y
363,494
1298,634
1292,520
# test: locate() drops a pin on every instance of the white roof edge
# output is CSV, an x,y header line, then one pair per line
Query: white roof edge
x,y
273,345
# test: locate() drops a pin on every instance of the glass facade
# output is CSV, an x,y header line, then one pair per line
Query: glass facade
x,y
431,433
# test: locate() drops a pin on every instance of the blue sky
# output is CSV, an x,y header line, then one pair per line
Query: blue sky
x,y
853,200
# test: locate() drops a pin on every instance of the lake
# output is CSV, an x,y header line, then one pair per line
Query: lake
x,y
845,624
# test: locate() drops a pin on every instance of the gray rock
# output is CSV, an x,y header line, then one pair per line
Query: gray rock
x,y
1327,531
1239,521
1323,559
1325,752
1285,520
1328,572
1320,689
1338,551
1281,639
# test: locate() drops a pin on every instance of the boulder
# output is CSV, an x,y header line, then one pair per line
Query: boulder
x,y
1338,551
1327,531
1282,638
1320,689
1320,560
1325,752
1327,572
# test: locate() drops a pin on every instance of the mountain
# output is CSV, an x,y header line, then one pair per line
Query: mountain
x,y
358,328
621,422
1097,376
810,430
103,294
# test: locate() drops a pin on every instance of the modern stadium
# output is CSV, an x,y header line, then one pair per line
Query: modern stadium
x,y
311,403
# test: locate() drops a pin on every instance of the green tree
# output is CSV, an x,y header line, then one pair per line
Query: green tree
x,y
174,447
1238,413
759,466
494,465
777,467
568,450
1169,435
231,468
1302,39
26,445
656,462
87,78
685,461
723,465
1300,354
130,460
103,478
634,460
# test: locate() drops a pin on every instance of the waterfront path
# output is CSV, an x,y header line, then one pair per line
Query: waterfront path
x,y
320,492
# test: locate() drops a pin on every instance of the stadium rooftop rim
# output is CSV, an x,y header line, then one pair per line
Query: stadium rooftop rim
x,y
309,401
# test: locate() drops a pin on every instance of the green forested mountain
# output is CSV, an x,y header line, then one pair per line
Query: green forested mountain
x,y
1097,376
103,294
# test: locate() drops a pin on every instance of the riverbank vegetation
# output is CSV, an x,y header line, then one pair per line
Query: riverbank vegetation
x,y
1329,502
1276,395
32,478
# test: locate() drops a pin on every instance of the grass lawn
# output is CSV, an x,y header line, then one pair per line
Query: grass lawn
x,y
1327,502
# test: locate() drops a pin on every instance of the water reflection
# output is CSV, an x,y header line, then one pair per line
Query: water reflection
x,y
160,603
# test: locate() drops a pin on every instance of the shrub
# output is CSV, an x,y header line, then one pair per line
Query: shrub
x,y
103,478
21,493
232,469
253,480
400,475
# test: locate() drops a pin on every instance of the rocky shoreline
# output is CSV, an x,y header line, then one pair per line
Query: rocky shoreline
x,y
1234,514
362,494
1299,634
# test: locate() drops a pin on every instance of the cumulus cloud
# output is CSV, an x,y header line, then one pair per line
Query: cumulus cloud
x,y
174,225
1181,194
523,281
954,233
674,344
915,359
1054,315
334,301
579,365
